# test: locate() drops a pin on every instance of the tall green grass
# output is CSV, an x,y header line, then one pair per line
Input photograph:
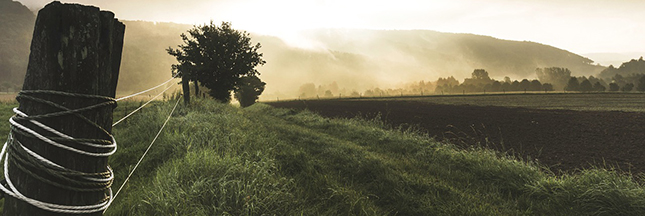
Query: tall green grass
x,y
216,159
5,113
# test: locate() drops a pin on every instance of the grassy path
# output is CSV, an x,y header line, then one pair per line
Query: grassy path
x,y
215,159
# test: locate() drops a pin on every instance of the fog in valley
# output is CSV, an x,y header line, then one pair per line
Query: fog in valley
x,y
363,48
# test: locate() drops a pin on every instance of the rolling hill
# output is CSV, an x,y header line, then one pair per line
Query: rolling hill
x,y
16,28
355,59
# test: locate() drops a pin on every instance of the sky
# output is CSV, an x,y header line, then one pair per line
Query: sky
x,y
579,26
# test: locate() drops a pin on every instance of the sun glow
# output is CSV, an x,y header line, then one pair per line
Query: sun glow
x,y
580,26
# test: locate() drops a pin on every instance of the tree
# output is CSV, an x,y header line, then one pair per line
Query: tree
x,y
613,87
598,87
515,86
525,84
573,85
248,89
586,86
535,86
641,83
558,77
480,74
628,87
328,94
496,86
218,57
506,86
450,81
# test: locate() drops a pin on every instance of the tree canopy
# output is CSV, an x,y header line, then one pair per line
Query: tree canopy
x,y
555,75
217,57
248,90
573,85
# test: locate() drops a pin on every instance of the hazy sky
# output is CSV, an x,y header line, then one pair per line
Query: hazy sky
x,y
580,26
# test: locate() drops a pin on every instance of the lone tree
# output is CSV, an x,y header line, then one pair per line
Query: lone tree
x,y
248,90
217,57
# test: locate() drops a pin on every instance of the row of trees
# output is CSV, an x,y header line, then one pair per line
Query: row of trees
x,y
221,59
310,90
480,81
583,84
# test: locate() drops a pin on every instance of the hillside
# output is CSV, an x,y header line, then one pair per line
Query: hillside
x,y
16,28
631,68
453,54
145,62
613,58
354,59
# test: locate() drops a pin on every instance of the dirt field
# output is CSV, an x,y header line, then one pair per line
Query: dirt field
x,y
563,140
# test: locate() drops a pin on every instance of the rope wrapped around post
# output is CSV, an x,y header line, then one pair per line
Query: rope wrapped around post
x,y
16,155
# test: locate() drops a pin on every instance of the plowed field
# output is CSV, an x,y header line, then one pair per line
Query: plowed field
x,y
563,140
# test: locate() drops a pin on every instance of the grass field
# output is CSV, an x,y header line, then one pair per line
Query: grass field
x,y
216,159
5,114
7,97
628,102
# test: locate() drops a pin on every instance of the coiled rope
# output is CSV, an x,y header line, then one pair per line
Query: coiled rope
x,y
16,155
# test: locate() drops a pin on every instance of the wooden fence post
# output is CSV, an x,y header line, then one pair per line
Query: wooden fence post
x,y
75,49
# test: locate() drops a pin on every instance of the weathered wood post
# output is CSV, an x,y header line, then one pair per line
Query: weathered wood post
x,y
75,49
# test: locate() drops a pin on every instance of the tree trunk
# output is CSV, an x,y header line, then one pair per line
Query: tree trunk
x,y
75,49
185,85
196,88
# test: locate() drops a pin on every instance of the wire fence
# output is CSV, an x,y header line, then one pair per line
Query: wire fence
x,y
26,159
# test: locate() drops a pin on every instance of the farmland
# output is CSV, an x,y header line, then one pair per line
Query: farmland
x,y
216,159
565,132
629,102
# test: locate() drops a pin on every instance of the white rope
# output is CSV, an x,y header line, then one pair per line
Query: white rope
x,y
60,134
148,149
144,91
141,107
54,143
14,192
69,209
45,160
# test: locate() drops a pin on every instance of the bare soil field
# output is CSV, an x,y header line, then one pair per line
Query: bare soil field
x,y
563,140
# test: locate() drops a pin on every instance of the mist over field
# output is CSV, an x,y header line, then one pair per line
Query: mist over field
x,y
409,107
345,61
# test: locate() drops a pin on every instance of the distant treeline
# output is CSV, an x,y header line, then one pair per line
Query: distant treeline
x,y
480,81
630,76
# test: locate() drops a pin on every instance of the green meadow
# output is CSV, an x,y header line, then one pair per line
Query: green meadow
x,y
217,159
